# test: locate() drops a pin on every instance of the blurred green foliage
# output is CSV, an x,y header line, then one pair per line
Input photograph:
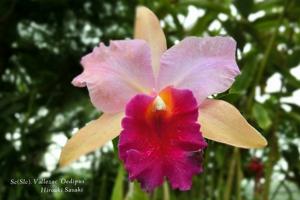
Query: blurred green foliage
x,y
41,43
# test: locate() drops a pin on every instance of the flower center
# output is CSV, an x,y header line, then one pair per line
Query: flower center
x,y
159,104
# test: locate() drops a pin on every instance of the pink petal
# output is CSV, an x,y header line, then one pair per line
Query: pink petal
x,y
205,66
114,74
159,144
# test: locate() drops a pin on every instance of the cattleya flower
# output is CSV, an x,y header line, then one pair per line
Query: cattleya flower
x,y
157,101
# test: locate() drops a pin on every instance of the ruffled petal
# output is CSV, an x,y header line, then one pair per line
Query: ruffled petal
x,y
222,122
205,66
95,134
147,27
158,144
114,74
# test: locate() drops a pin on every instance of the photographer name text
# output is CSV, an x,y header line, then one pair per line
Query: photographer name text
x,y
50,186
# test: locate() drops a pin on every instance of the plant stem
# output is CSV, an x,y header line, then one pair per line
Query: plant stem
x,y
276,190
166,191
239,177
220,184
264,62
231,170
272,159
289,192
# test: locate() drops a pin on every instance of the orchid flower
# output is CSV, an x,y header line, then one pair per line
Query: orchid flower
x,y
157,101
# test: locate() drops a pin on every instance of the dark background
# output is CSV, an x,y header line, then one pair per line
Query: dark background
x,y
41,43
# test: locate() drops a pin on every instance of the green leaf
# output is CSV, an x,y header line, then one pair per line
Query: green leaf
x,y
295,116
244,7
230,97
244,80
202,24
209,5
118,190
267,5
261,116
268,22
115,142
